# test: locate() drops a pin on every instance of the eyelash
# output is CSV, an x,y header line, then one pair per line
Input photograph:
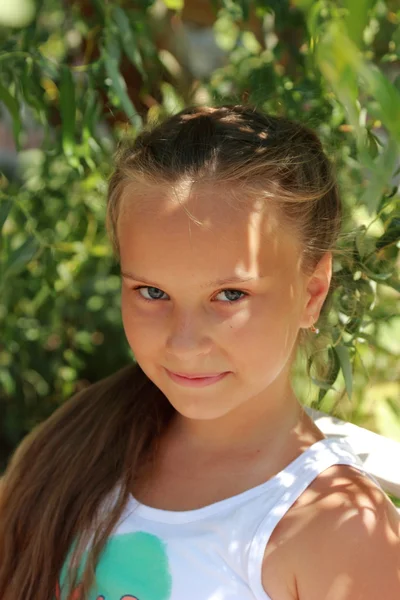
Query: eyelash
x,y
229,302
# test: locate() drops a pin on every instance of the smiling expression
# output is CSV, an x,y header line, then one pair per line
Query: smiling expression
x,y
179,315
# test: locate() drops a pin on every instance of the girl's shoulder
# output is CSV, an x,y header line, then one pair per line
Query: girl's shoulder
x,y
340,540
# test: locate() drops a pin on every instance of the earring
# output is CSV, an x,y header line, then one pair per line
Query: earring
x,y
314,330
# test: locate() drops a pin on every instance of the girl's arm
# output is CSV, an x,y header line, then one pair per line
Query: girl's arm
x,y
351,547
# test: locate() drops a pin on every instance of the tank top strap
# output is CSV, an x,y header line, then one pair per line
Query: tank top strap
x,y
294,480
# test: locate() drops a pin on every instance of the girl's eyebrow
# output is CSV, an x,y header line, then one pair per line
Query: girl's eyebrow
x,y
218,282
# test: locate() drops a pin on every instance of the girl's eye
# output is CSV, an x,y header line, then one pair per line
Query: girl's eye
x,y
153,292
233,295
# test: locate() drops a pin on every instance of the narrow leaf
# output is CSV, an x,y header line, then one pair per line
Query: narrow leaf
x,y
342,353
128,40
31,88
379,277
20,257
360,242
13,107
5,208
245,5
90,116
357,18
391,235
313,16
118,85
67,109
382,169
322,384
393,282
334,368
386,95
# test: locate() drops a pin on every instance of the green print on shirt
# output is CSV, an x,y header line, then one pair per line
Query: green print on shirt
x,y
134,566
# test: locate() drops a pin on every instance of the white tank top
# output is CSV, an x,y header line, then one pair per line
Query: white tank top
x,y
211,553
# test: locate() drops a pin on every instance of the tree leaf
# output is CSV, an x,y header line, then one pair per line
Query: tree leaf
x,y
357,18
379,277
12,105
393,282
128,40
313,17
381,172
91,115
334,368
245,5
391,235
5,207
21,256
31,88
386,95
360,242
342,352
322,384
172,102
118,85
67,109
373,144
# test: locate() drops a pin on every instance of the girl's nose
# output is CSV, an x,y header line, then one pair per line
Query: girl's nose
x,y
188,336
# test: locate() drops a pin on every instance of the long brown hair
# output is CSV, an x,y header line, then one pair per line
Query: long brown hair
x,y
98,441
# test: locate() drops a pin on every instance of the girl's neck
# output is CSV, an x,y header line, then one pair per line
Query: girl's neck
x,y
260,425
192,468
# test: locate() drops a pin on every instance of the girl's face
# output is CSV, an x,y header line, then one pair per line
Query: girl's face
x,y
224,297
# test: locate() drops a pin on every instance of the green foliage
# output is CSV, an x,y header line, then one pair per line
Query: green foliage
x,y
321,62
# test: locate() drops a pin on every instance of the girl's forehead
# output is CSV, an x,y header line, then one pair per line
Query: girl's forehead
x,y
209,223
212,208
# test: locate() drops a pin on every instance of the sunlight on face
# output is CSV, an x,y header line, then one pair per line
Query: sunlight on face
x,y
185,319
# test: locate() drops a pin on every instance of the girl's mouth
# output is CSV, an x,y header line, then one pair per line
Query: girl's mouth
x,y
196,380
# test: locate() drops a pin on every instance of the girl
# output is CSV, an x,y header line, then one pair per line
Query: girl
x,y
195,474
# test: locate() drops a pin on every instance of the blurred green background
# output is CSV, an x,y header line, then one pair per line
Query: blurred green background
x,y
78,76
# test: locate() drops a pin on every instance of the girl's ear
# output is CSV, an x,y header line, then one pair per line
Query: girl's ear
x,y
317,288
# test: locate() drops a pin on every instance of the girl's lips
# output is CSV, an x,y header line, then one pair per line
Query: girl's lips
x,y
196,376
195,381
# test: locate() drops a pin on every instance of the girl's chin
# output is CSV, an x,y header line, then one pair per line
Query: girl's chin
x,y
196,413
193,406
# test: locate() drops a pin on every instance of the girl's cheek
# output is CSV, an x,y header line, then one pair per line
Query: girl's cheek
x,y
143,321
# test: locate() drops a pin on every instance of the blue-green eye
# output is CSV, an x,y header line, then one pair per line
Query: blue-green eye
x,y
153,292
234,293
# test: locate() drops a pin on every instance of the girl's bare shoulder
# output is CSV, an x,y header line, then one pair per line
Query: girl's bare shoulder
x,y
340,541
